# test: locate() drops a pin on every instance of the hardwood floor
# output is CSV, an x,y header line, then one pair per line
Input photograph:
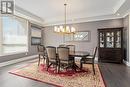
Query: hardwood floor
x,y
115,75
9,80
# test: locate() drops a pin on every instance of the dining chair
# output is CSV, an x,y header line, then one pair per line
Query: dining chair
x,y
89,60
41,52
51,56
71,51
71,48
63,55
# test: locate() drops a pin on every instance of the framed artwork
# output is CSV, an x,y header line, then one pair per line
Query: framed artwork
x,y
79,36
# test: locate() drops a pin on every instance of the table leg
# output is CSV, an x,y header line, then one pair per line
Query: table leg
x,y
74,66
81,63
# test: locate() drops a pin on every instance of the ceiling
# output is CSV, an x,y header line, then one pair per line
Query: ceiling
x,y
52,11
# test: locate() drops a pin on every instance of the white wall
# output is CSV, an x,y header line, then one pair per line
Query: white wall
x,y
32,50
1,35
127,38
129,41
28,16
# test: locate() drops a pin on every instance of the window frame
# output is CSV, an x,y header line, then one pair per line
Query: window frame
x,y
27,43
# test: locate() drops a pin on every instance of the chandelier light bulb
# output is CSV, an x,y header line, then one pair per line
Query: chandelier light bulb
x,y
58,29
73,29
61,27
55,28
67,29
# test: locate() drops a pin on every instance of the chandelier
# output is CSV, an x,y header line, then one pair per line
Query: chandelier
x,y
64,29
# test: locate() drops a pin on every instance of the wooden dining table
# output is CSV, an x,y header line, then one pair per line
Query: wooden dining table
x,y
79,54
82,54
74,54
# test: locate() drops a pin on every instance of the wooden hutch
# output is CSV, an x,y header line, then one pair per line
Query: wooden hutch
x,y
110,45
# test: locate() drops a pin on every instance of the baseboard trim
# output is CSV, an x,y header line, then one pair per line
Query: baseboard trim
x,y
96,58
126,63
17,60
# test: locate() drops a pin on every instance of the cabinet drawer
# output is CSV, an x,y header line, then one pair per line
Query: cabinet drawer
x,y
110,55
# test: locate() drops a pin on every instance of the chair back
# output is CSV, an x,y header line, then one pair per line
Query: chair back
x,y
62,45
71,48
94,52
51,52
63,53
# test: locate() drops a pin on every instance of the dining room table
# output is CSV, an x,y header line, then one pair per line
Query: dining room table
x,y
74,54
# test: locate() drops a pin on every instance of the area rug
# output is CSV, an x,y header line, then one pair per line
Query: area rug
x,y
65,78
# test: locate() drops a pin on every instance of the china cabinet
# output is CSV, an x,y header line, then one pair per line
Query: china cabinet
x,y
110,45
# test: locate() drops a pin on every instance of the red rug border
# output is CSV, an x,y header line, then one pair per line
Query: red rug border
x,y
11,72
102,76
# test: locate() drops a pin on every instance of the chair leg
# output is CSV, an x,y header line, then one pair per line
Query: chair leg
x,y
81,64
74,66
48,66
44,60
39,60
47,63
58,66
93,68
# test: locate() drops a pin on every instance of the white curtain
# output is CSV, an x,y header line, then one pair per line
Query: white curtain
x,y
15,34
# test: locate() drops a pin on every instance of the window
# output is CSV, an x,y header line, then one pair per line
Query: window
x,y
36,35
14,37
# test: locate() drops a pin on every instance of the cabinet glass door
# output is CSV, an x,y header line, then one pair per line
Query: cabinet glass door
x,y
118,39
110,39
102,39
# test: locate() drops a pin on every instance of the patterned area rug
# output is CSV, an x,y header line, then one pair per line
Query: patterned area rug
x,y
69,78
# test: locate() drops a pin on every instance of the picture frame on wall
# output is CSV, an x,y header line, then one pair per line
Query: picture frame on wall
x,y
82,36
79,36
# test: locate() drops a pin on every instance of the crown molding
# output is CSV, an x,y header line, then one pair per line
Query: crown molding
x,y
126,13
77,19
85,19
118,6
27,15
